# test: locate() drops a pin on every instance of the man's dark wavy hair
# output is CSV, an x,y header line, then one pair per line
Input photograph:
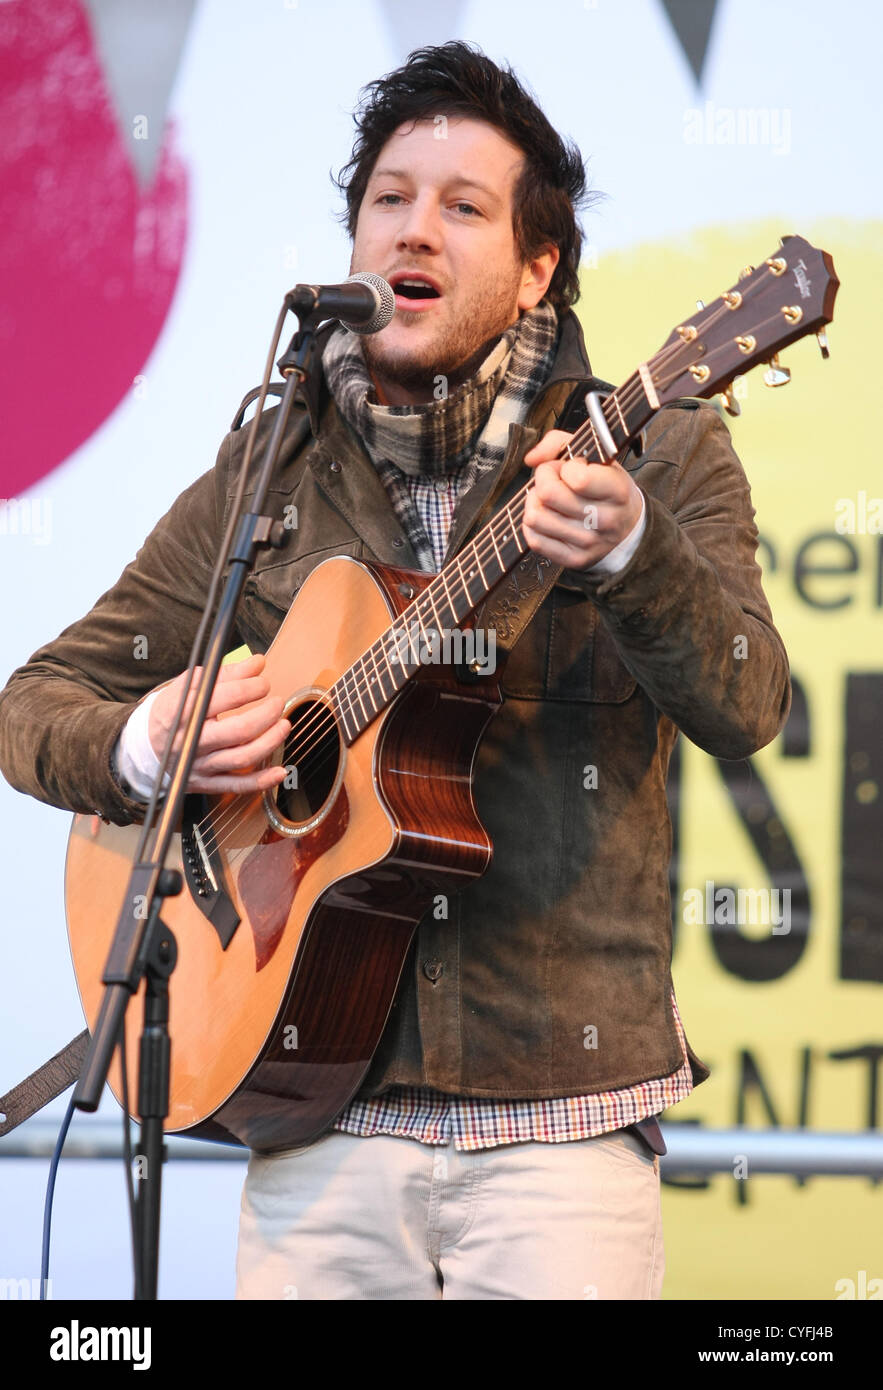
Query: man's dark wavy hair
x,y
457,79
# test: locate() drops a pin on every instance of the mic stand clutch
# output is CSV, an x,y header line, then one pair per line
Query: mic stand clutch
x,y
142,944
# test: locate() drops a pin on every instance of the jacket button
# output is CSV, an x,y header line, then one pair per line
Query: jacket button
x,y
334,466
397,541
433,969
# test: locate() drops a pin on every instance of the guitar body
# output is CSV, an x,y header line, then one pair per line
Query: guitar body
x,y
274,1021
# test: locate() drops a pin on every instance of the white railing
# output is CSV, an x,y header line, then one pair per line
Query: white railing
x,y
692,1150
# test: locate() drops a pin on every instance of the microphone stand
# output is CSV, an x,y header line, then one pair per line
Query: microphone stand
x,y
143,945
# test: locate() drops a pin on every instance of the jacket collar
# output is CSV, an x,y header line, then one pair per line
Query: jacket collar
x,y
572,359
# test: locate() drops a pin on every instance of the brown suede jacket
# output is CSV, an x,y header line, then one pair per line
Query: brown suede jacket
x,y
570,927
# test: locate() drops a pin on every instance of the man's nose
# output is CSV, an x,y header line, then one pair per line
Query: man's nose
x,y
421,228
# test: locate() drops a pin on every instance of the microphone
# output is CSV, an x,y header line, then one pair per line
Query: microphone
x,y
364,303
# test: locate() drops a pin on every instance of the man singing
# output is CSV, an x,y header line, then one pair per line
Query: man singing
x,y
503,1144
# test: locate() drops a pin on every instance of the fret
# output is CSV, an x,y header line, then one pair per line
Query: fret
x,y
516,528
358,688
347,686
497,549
588,441
387,672
372,678
625,429
339,695
474,549
610,409
467,578
455,617
645,377
595,444
642,400
396,642
439,620
374,652
463,584
420,616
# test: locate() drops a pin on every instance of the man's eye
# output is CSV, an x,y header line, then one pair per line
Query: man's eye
x,y
468,208
390,198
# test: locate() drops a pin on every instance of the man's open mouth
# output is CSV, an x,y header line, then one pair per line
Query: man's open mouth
x,y
414,291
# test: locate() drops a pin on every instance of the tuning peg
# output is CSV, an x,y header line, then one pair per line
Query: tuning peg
x,y
729,402
700,303
776,374
822,339
746,271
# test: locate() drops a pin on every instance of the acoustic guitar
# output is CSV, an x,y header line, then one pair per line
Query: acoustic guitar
x,y
300,904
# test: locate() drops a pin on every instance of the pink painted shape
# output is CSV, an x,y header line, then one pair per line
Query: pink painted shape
x,y
88,263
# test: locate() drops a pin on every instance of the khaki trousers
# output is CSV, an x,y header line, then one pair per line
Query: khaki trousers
x,y
391,1218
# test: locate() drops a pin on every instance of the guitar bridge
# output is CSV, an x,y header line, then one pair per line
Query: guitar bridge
x,y
204,872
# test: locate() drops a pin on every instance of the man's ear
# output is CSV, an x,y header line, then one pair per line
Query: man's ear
x,y
537,277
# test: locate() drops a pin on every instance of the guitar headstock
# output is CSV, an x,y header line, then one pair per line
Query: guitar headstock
x,y
788,296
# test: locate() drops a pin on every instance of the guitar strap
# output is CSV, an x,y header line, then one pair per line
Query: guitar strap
x,y
44,1084
508,609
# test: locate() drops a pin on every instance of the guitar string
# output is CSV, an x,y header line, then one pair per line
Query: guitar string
x,y
325,720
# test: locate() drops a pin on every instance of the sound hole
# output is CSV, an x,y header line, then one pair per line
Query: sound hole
x,y
312,758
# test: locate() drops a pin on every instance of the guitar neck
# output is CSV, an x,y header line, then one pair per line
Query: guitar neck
x,y
461,587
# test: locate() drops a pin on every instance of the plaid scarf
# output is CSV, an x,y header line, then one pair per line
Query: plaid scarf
x,y
456,439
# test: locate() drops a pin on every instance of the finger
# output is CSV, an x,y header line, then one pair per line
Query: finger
x,y
560,552
239,784
237,692
550,447
238,683
602,482
245,755
582,535
243,726
247,666
549,491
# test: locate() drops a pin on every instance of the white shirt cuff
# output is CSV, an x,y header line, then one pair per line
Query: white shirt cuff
x,y
617,558
135,762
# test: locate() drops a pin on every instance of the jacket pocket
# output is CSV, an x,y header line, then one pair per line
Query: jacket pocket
x,y
566,653
270,591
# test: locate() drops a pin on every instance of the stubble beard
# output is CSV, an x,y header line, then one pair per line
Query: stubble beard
x,y
454,352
